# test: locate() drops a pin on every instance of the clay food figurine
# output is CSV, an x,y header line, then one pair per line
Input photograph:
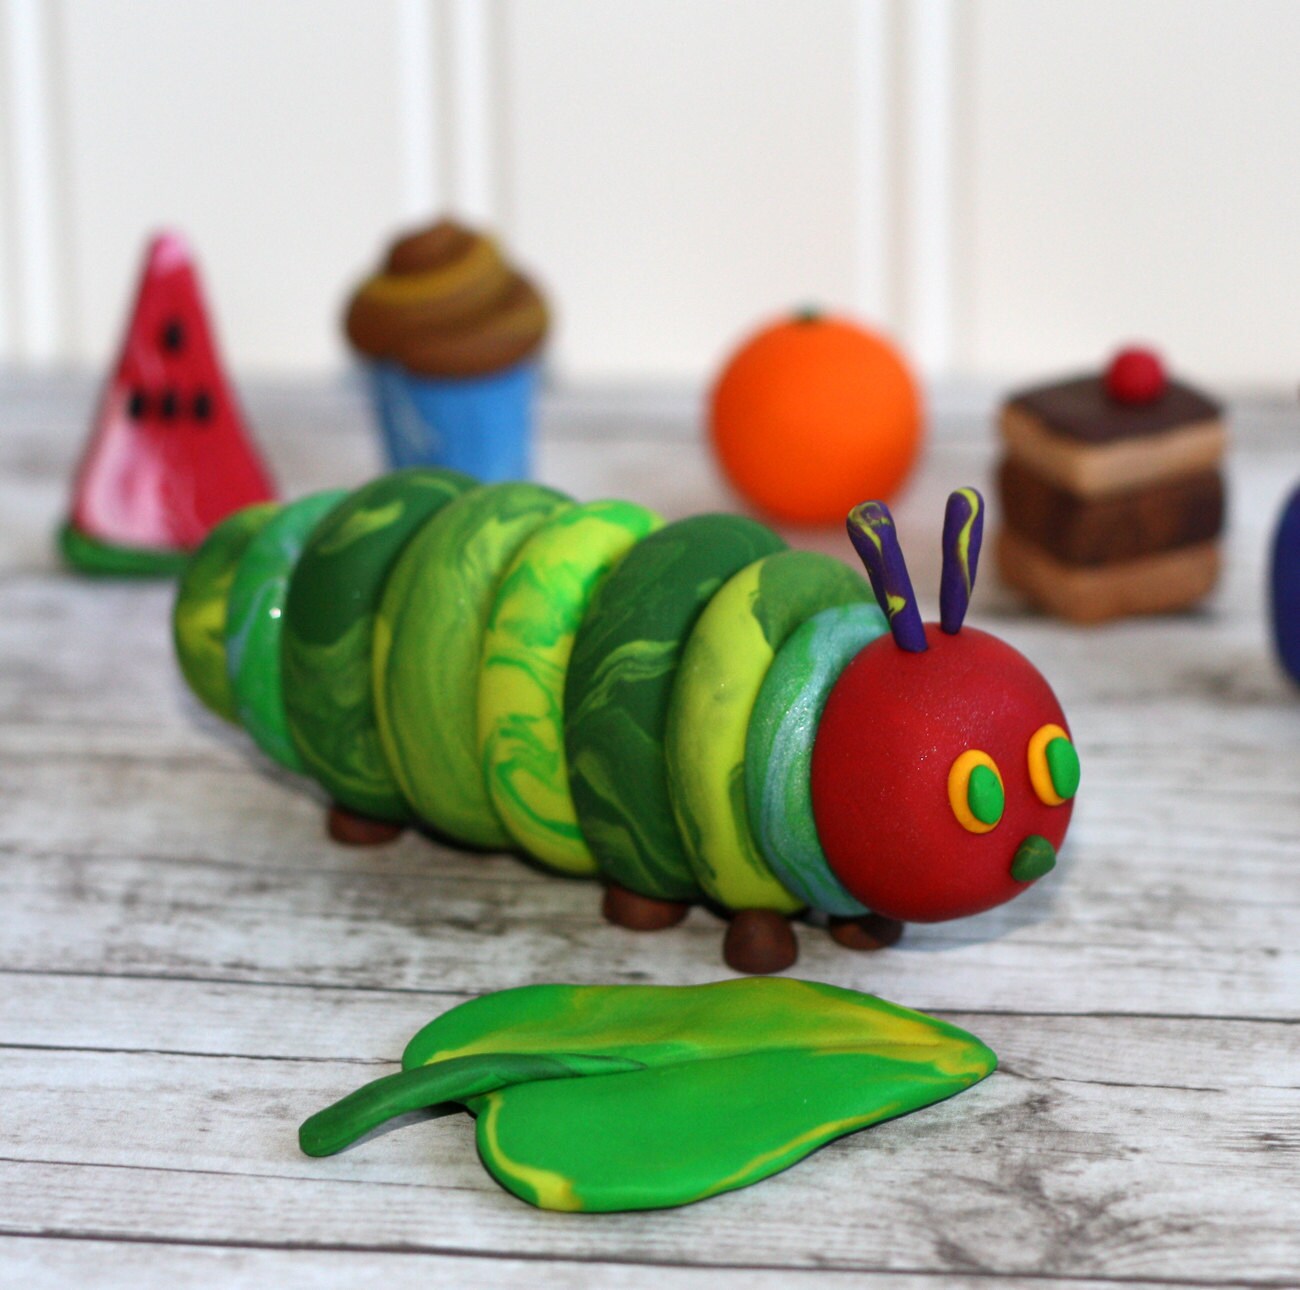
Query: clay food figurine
x,y
169,455
604,1098
813,413
450,333
688,711
1284,586
1112,496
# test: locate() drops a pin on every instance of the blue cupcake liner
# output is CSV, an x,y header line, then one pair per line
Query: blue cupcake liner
x,y
482,425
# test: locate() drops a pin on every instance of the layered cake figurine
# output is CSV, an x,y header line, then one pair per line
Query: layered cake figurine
x,y
450,334
1112,495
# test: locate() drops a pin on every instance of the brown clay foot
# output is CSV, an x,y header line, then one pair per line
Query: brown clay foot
x,y
355,830
866,932
639,913
759,941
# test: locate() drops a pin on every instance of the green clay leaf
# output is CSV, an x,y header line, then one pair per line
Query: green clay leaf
x,y
602,1098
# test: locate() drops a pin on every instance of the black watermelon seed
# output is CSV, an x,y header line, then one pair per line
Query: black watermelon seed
x,y
173,335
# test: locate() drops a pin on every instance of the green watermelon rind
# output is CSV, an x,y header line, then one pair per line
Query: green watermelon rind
x,y
100,559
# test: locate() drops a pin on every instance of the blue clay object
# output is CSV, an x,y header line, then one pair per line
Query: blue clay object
x,y
482,425
1285,580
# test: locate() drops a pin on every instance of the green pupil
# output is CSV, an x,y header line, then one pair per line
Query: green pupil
x,y
1063,767
984,795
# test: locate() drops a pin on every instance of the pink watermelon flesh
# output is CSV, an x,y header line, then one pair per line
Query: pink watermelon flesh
x,y
169,455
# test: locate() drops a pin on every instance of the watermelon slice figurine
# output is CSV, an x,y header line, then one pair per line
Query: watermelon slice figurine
x,y
169,455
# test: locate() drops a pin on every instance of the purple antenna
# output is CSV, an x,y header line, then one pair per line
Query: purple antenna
x,y
871,530
963,532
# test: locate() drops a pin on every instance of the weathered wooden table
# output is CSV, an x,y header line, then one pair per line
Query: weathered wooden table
x,y
188,968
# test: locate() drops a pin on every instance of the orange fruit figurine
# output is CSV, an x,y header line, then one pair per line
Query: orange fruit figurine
x,y
811,415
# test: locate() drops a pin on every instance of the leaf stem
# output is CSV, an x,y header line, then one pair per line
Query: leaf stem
x,y
456,1080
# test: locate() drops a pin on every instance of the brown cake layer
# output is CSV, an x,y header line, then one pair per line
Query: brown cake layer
x,y
1112,465
1113,527
1148,585
1081,410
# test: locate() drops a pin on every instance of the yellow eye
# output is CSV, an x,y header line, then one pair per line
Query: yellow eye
x,y
975,791
1053,765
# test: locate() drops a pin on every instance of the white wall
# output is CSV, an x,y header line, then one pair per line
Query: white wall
x,y
1010,185
1134,168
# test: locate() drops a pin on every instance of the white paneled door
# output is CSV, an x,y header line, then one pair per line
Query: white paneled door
x,y
1008,186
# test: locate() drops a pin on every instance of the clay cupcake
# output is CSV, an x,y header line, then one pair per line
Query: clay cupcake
x,y
450,333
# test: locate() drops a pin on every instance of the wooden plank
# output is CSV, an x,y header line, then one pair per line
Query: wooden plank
x,y
1038,1176
429,924
234,1019
38,1264
1120,936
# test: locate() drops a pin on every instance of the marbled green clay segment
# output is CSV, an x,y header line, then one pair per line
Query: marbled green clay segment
x,y
541,601
202,598
620,683
329,617
428,644
778,751
722,669
255,618
99,559
602,1098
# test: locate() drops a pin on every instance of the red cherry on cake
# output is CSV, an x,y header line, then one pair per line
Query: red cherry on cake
x,y
1136,376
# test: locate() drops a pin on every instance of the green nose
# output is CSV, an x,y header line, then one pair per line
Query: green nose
x,y
1034,857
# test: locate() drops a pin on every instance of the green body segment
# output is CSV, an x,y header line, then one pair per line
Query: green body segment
x,y
722,669
329,617
620,682
779,748
101,559
540,604
255,620
202,599
428,641
601,1098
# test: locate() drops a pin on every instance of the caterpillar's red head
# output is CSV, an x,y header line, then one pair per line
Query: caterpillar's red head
x,y
943,772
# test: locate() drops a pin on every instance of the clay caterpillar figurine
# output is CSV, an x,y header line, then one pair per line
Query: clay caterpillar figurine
x,y
690,711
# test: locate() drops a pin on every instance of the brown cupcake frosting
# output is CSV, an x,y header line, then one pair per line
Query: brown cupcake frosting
x,y
447,304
